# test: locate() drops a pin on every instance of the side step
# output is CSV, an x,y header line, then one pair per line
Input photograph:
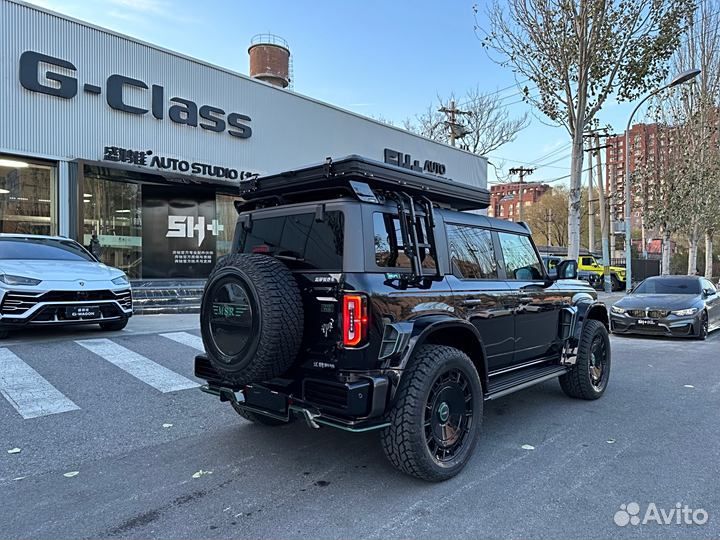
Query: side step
x,y
503,385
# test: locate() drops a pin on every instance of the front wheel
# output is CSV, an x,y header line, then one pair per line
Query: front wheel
x,y
114,326
703,327
435,422
588,378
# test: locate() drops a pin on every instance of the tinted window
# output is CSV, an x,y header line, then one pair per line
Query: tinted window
x,y
521,260
298,240
668,286
587,261
472,252
43,249
389,246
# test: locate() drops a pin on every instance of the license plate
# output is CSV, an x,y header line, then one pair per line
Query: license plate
x,y
647,322
83,312
264,398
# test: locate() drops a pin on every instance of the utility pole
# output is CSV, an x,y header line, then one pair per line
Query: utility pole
x,y
548,221
591,205
603,216
456,129
522,172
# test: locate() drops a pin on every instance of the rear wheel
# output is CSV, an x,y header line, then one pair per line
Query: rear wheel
x,y
435,422
114,326
616,283
588,378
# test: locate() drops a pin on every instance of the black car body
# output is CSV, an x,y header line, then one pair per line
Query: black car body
x,y
376,281
683,306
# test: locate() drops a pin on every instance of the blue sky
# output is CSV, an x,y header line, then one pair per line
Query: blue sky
x,y
377,58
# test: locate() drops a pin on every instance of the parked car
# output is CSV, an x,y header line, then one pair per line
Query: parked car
x,y
592,278
668,305
359,295
589,263
51,280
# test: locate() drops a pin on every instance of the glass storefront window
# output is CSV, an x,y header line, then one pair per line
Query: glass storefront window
x,y
28,196
112,211
227,216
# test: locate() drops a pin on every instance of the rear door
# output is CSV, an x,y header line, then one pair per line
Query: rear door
x,y
537,311
481,296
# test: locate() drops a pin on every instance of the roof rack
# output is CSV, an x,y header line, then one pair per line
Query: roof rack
x,y
361,178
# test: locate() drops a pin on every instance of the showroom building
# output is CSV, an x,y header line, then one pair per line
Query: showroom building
x,y
104,134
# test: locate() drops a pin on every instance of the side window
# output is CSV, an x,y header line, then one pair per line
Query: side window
x,y
521,261
587,261
389,248
472,252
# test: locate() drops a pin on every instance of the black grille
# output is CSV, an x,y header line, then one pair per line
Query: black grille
x,y
17,302
649,314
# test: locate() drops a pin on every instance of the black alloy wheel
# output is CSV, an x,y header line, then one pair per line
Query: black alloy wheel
x,y
704,327
588,377
448,414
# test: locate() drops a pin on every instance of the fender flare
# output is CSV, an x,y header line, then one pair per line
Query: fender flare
x,y
417,332
589,310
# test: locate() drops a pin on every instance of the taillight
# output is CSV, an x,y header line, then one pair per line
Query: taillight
x,y
355,319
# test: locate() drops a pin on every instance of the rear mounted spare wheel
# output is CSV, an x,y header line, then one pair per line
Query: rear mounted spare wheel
x,y
251,318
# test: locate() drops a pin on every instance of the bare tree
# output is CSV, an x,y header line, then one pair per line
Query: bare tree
x,y
578,53
487,126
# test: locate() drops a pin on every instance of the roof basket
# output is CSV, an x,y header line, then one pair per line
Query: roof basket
x,y
360,178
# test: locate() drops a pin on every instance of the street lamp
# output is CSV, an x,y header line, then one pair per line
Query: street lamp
x,y
681,78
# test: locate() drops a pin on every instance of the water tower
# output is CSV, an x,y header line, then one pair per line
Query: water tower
x,y
270,59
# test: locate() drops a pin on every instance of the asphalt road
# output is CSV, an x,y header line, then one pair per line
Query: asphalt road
x,y
157,458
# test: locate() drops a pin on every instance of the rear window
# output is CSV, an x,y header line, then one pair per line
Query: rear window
x,y
389,246
298,240
42,249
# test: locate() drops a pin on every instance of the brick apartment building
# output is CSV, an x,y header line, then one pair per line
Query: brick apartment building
x,y
649,145
505,198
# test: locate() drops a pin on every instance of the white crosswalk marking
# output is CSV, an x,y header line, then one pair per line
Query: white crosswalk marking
x,y
186,338
138,366
27,391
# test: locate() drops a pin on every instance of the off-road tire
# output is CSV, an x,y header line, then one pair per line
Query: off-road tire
x,y
404,441
259,418
277,318
578,382
615,283
114,326
703,330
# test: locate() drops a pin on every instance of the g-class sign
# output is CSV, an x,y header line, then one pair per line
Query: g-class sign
x,y
393,157
58,80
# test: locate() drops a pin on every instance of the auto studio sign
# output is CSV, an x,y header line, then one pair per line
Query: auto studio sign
x,y
60,80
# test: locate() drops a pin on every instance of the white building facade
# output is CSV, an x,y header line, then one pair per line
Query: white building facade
x,y
103,134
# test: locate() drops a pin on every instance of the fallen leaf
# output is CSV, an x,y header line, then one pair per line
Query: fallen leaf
x,y
71,474
527,447
201,473
14,451
167,425
610,441
689,386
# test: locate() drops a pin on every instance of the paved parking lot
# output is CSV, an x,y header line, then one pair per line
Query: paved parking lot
x,y
119,442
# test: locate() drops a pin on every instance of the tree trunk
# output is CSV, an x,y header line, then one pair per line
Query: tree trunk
x,y
574,198
708,254
692,251
666,246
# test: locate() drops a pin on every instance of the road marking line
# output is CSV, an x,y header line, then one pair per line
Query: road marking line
x,y
186,338
140,367
27,391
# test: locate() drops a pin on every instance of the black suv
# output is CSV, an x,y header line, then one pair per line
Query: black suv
x,y
363,296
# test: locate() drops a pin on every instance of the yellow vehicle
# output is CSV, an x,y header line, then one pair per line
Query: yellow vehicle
x,y
591,264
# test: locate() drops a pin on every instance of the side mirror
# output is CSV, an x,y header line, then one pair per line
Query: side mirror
x,y
707,293
567,269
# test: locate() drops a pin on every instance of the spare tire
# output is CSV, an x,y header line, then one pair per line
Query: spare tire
x,y
251,318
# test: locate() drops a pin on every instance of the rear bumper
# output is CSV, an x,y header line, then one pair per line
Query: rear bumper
x,y
671,326
357,405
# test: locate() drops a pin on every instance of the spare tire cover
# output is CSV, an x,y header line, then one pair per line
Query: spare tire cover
x,y
251,318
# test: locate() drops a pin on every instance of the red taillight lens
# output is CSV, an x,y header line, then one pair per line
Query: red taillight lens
x,y
355,319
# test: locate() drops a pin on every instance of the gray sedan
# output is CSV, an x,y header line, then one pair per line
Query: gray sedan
x,y
686,306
